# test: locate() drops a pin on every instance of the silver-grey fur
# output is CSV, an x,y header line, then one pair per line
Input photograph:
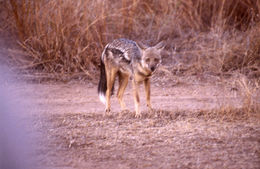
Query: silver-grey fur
x,y
128,47
127,59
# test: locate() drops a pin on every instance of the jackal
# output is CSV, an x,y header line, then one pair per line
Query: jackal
x,y
127,59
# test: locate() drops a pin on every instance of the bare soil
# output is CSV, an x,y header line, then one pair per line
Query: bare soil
x,y
70,131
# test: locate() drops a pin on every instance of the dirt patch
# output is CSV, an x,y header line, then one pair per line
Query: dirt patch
x,y
93,141
70,131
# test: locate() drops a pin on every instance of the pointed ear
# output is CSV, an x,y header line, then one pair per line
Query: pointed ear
x,y
142,46
160,45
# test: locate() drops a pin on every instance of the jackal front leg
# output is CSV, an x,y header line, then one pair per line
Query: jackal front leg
x,y
147,86
136,98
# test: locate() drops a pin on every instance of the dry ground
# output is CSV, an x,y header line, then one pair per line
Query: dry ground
x,y
69,130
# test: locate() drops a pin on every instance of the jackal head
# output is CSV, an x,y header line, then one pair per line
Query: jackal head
x,y
151,56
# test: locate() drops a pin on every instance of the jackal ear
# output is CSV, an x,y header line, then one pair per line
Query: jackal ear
x,y
160,45
142,46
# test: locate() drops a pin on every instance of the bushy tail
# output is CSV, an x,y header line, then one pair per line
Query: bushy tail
x,y
102,85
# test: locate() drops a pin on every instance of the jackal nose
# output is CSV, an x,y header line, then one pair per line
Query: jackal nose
x,y
153,68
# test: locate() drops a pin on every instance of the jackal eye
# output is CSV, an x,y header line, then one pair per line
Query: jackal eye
x,y
147,60
156,60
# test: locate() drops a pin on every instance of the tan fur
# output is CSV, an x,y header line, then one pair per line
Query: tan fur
x,y
140,71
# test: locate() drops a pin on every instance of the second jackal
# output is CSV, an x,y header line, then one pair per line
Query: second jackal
x,y
127,59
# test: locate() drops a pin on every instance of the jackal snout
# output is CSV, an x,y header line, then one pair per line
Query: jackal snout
x,y
152,63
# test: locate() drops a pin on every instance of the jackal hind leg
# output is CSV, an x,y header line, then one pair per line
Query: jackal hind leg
x,y
123,81
136,98
147,87
111,76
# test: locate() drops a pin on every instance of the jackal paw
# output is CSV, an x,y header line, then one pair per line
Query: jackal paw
x,y
107,112
138,115
150,109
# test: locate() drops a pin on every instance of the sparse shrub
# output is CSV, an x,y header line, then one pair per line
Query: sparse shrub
x,y
65,36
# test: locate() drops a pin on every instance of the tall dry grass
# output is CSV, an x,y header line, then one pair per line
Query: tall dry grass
x,y
65,36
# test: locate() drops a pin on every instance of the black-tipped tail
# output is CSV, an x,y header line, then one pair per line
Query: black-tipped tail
x,y
102,85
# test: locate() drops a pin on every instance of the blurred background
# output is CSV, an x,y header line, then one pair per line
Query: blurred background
x,y
16,138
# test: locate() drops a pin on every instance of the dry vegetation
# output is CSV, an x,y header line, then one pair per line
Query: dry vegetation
x,y
67,36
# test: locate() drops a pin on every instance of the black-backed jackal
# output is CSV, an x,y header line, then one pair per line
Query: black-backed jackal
x,y
125,58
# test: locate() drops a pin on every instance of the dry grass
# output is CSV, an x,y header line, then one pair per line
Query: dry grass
x,y
93,141
67,37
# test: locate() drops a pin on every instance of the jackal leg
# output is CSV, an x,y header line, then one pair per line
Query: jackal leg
x,y
136,97
147,86
123,81
111,75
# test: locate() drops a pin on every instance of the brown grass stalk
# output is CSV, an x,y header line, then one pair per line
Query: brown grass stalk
x,y
68,36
